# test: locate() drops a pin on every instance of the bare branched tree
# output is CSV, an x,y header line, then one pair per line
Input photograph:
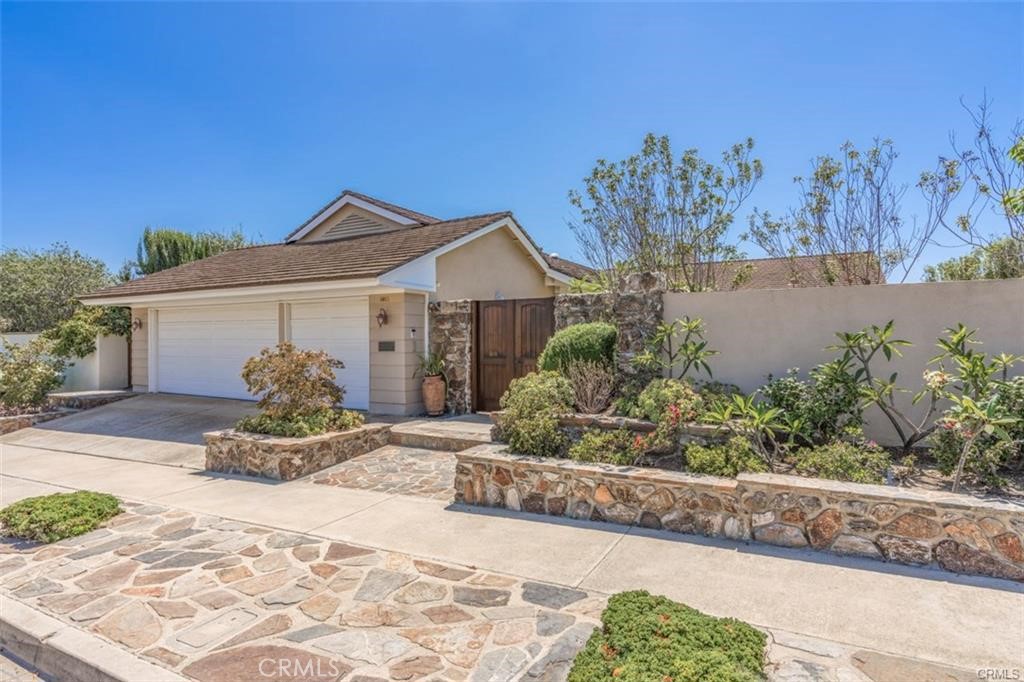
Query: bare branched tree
x,y
849,216
655,213
975,194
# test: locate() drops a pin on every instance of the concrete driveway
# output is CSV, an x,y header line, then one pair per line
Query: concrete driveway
x,y
158,429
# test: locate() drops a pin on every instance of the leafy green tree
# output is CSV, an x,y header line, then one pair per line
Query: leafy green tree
x,y
38,289
1000,259
164,248
655,212
75,337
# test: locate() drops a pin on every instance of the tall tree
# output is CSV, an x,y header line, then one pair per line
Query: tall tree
x,y
655,212
164,248
38,289
849,215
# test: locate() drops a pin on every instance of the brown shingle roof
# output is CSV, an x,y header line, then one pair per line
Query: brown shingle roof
x,y
568,267
798,271
353,258
421,218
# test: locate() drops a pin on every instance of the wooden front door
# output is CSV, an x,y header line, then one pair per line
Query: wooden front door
x,y
509,337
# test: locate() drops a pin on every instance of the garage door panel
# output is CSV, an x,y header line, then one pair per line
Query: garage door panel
x,y
200,351
342,328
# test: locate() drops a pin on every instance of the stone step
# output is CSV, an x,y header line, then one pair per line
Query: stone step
x,y
450,435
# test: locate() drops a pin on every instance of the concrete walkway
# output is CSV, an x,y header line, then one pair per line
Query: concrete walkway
x,y
973,623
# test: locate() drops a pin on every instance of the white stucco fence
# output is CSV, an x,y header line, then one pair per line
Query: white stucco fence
x,y
761,332
105,369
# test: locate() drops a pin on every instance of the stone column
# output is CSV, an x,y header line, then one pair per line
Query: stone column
x,y
451,334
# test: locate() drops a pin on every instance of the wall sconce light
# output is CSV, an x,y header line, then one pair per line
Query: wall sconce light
x,y
382,318
136,324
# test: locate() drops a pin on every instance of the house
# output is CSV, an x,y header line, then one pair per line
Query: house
x,y
357,279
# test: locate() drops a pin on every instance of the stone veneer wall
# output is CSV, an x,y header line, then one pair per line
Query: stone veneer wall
x,y
251,454
23,421
636,309
451,332
956,532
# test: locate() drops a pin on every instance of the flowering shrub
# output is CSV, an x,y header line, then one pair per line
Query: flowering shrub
x,y
531,407
656,397
844,461
727,459
28,372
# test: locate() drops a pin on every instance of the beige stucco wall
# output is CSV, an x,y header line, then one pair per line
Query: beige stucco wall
x,y
763,332
342,213
393,388
490,267
140,351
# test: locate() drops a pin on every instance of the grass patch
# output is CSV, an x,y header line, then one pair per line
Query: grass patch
x,y
54,517
654,639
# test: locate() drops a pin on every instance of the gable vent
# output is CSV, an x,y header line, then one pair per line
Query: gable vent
x,y
355,226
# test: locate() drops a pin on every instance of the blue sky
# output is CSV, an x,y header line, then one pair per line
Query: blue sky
x,y
212,116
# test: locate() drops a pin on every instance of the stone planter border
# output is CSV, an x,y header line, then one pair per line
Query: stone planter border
x,y
253,454
955,532
16,422
575,424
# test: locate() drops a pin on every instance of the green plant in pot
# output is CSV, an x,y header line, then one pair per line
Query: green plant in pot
x,y
435,382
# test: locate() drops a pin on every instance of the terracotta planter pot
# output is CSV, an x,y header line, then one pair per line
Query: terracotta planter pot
x,y
433,395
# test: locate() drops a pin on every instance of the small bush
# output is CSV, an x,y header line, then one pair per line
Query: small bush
x,y
608,447
843,461
291,383
826,406
532,404
989,456
644,638
716,393
728,459
55,517
592,385
300,426
590,342
655,399
28,372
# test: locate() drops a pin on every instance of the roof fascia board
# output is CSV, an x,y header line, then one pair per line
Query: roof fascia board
x,y
344,200
271,292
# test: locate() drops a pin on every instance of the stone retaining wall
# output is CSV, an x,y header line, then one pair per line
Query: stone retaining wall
x,y
575,425
451,333
23,421
252,454
956,532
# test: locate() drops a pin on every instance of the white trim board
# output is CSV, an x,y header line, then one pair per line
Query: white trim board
x,y
345,200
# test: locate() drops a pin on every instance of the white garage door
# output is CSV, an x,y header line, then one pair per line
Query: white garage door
x,y
200,351
340,326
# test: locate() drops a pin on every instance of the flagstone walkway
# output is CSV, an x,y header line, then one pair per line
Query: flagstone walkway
x,y
396,470
223,601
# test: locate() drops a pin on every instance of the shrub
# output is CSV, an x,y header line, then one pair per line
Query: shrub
x,y
590,341
990,453
291,382
654,400
300,426
608,447
727,459
644,638
823,408
28,372
532,405
75,337
677,344
62,515
716,393
592,385
843,461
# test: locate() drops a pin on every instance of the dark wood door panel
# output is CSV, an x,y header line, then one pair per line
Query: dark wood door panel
x,y
509,336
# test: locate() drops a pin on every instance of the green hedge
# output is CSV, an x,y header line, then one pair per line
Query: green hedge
x,y
651,639
591,341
